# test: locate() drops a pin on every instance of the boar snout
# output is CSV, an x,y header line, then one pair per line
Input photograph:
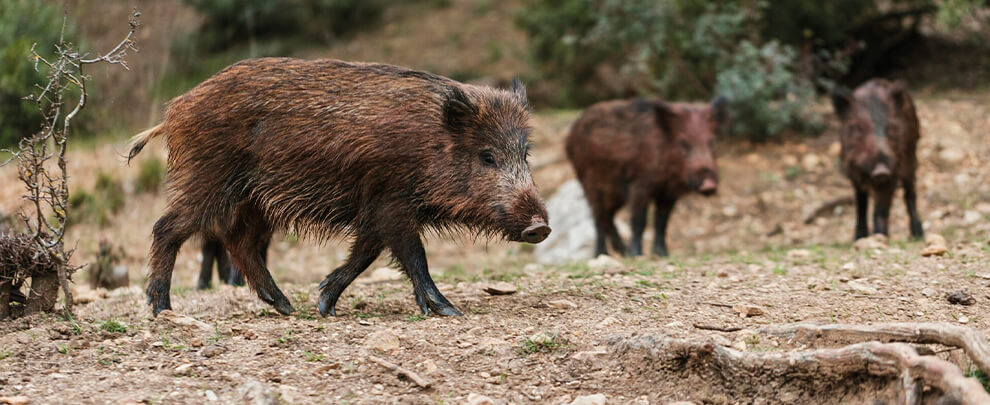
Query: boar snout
x,y
708,187
881,173
536,232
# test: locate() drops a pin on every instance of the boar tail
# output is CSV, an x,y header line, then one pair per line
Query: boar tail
x,y
139,140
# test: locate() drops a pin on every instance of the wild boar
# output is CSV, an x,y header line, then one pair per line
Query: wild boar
x,y
376,152
214,252
642,151
879,138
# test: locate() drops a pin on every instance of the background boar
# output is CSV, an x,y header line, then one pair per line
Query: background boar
x,y
213,251
879,137
377,152
641,151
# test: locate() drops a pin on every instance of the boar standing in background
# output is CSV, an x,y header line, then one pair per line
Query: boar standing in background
x,y
377,152
879,137
643,151
213,251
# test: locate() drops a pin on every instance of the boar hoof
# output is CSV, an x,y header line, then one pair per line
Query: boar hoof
x,y
276,299
437,305
328,303
158,296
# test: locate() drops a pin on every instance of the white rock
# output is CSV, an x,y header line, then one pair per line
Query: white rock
x,y
875,241
383,340
211,396
183,369
971,217
573,236
596,399
478,399
952,155
561,304
860,287
500,288
935,245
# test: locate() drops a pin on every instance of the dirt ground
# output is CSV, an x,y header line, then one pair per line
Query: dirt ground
x,y
559,336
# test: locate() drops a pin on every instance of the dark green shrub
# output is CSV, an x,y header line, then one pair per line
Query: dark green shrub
x,y
98,206
150,176
23,23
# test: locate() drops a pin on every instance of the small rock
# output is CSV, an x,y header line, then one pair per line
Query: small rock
x,y
175,319
589,356
383,340
952,155
963,319
500,288
747,310
790,160
834,149
849,266
381,275
561,304
730,211
257,393
810,161
722,274
875,241
860,287
798,254
604,263
478,399
971,217
211,396
928,291
596,399
935,245
83,294
960,297
212,351
15,400
183,369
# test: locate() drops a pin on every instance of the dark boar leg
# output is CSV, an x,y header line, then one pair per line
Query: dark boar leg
x,y
411,255
364,251
862,205
665,206
911,202
210,254
881,209
233,275
245,242
168,235
638,205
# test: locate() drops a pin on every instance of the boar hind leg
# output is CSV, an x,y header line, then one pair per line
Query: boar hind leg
x,y
638,205
665,205
245,242
911,202
411,255
862,205
364,251
881,209
169,233
235,276
604,213
212,251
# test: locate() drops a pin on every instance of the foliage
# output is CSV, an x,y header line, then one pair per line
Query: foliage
x,y
150,176
113,326
99,205
22,24
678,49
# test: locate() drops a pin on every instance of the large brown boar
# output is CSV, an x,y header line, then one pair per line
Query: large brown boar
x,y
879,137
643,151
376,152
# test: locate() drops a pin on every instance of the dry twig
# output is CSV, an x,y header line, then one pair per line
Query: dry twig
x,y
411,375
827,208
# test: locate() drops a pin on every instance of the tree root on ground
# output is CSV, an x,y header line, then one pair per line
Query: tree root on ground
x,y
858,373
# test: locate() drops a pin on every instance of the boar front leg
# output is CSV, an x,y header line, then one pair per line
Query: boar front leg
x,y
881,209
862,205
364,251
665,205
245,242
639,203
212,251
911,202
411,255
170,231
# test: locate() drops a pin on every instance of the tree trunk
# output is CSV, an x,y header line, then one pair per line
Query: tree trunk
x,y
44,293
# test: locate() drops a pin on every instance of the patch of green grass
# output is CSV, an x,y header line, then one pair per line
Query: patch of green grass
x,y
648,284
312,357
4,353
216,334
779,270
62,349
113,326
151,175
169,344
96,206
543,343
980,376
416,318
501,275
286,338
793,172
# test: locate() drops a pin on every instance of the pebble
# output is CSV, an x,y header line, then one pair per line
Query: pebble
x,y
211,396
875,241
860,287
500,288
183,369
212,351
935,245
960,297
383,340
15,400
596,399
971,217
963,319
478,399
928,291
747,310
798,254
257,393
561,304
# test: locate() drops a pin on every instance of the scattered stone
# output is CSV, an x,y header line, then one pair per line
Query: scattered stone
x,y
257,393
604,263
722,274
184,369
834,149
935,245
952,155
211,396
730,211
589,356
596,399
381,275
500,288
562,304
960,297
798,254
810,162
849,266
478,399
15,400
971,217
790,160
963,319
383,340
212,351
928,291
861,287
875,241
186,322
747,310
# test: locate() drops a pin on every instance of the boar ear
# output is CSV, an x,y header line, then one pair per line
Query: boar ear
x,y
520,91
665,116
720,109
898,92
841,101
459,113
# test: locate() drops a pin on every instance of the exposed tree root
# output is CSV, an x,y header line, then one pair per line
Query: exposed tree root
x,y
861,372
971,341
827,207
411,375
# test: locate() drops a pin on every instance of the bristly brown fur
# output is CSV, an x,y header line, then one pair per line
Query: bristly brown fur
x,y
329,148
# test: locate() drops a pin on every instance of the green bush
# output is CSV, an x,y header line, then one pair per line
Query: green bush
x,y
98,206
150,176
23,23
677,49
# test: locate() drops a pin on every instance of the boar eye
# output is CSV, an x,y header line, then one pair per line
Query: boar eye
x,y
686,146
488,158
